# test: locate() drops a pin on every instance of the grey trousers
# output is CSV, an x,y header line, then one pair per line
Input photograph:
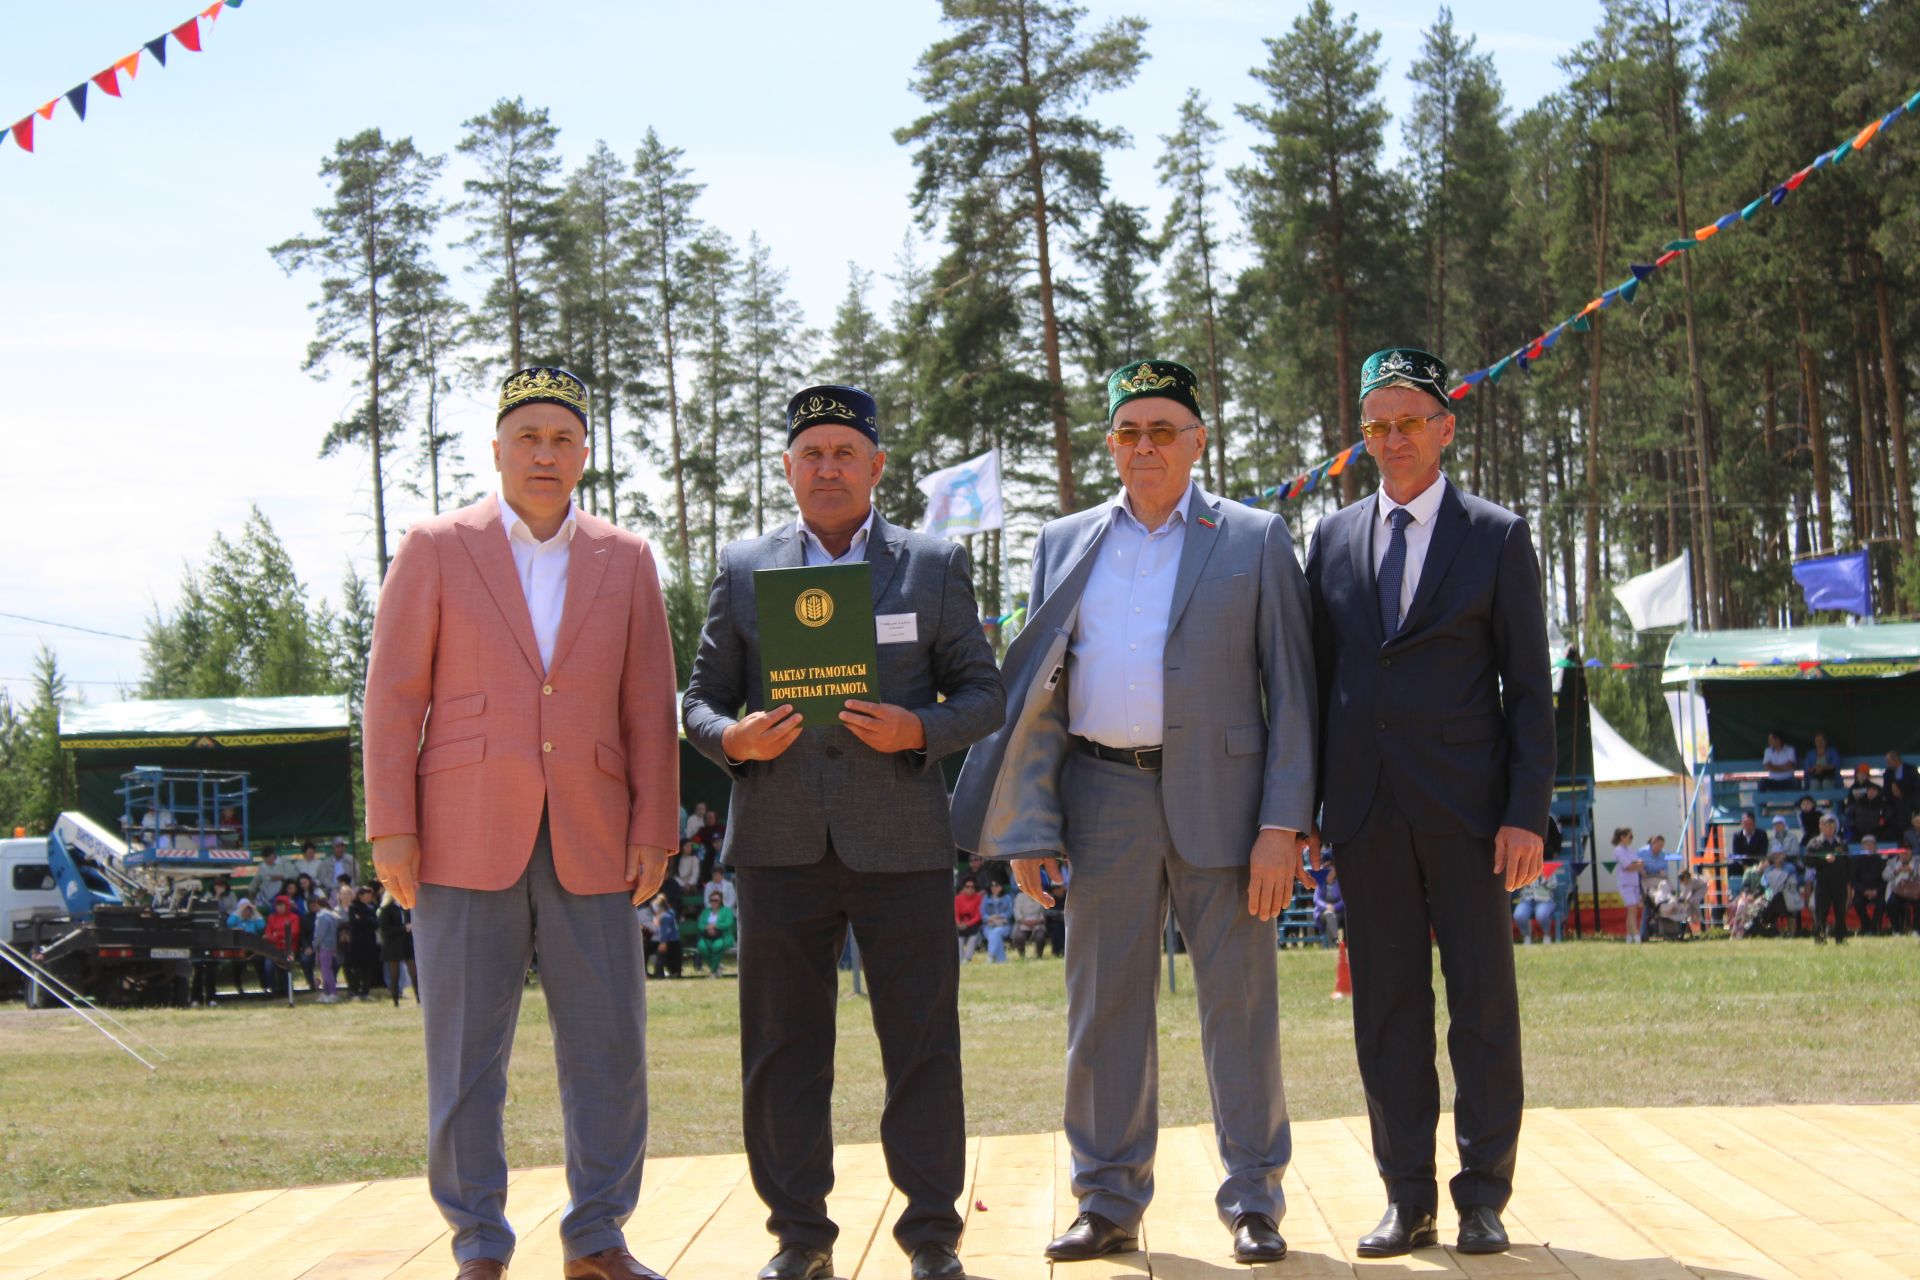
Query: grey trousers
x,y
474,947
1125,872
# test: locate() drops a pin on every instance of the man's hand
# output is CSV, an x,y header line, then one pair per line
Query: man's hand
x,y
396,860
646,870
1026,874
762,735
1273,868
884,727
1314,845
1517,854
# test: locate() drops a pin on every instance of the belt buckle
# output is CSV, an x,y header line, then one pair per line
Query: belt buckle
x,y
1140,759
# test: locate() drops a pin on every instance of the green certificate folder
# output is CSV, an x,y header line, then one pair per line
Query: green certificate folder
x,y
817,638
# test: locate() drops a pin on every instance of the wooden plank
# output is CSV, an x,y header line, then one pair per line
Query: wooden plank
x,y
885,1261
1132,1265
1014,1178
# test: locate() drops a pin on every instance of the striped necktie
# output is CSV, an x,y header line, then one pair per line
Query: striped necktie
x,y
1392,570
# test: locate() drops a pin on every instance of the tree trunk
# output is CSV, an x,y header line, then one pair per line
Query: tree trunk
x,y
1896,407
369,245
1213,360
1049,322
1591,613
683,548
1816,422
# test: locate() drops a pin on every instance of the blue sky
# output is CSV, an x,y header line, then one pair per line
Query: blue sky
x,y
151,349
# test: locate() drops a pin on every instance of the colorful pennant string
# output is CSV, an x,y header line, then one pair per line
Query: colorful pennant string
x,y
1538,347
186,34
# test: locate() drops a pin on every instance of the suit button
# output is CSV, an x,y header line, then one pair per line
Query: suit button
x,y
1385,662
1381,726
548,746
546,688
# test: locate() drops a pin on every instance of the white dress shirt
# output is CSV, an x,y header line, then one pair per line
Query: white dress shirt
x,y
1419,533
856,551
1115,682
542,570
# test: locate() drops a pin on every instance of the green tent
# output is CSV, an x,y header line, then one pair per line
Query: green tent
x,y
298,753
1858,685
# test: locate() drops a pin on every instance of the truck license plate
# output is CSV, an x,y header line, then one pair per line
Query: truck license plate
x,y
171,953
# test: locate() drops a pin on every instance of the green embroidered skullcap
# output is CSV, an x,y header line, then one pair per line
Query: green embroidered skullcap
x,y
1167,378
1405,367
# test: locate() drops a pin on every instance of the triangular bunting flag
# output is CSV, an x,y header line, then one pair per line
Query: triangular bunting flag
x,y
1823,159
1666,257
1726,220
78,97
1841,152
212,11
1865,136
1607,298
1339,463
1580,324
1641,270
46,112
1707,232
1627,288
1752,209
129,64
1913,103
1521,359
1778,195
1679,246
1460,392
1551,336
1475,378
1313,482
1886,121
158,48
109,81
23,133
1793,183
188,33
1499,367
1537,350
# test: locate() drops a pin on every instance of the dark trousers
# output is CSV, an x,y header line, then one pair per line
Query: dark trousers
x,y
1830,899
668,958
1873,911
793,922
204,973
1400,883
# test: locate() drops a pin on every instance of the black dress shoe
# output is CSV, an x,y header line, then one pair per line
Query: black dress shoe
x,y
936,1261
1091,1236
1481,1231
1400,1231
797,1262
1256,1239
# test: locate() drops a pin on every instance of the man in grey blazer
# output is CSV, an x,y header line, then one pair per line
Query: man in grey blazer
x,y
1160,734
837,825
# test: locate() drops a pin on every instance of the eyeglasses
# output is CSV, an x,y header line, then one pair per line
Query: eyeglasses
x,y
1410,425
1160,433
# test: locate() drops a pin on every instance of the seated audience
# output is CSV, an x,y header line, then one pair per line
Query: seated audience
x,y
1783,838
1780,883
1329,906
1870,885
714,933
1822,763
1534,904
1747,846
984,873
1029,925
1897,782
1809,814
966,917
1782,764
1902,873
996,921
1910,838
1871,816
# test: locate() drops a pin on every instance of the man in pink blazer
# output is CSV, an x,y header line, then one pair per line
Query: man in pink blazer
x,y
522,776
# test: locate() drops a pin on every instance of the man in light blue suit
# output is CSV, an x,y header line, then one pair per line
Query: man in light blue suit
x,y
1160,733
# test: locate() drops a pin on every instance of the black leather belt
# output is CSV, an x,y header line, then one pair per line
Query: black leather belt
x,y
1138,757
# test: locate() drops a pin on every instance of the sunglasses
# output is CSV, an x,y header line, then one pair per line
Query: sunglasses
x,y
1160,433
1409,424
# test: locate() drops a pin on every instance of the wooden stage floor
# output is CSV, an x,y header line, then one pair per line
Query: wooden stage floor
x,y
1602,1195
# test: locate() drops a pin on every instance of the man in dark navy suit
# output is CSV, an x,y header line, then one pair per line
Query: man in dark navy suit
x,y
1437,758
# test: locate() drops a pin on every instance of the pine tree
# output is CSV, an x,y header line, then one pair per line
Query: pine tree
x,y
431,330
373,233
1006,127
514,208
1191,325
596,268
713,416
1314,201
771,338
663,227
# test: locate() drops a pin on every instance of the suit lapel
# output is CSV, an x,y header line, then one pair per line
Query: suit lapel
x,y
588,554
1360,548
790,549
1449,532
1203,533
486,541
883,553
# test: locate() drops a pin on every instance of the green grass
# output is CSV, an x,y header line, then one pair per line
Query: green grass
x,y
263,1096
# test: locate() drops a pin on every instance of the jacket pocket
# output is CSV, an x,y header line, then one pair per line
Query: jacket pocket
x,y
612,762
1470,729
1247,740
461,708
452,755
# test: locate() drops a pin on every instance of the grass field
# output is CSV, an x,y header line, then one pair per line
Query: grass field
x,y
255,1095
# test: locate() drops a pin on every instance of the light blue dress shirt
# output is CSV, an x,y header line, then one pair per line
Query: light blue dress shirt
x,y
856,550
1115,680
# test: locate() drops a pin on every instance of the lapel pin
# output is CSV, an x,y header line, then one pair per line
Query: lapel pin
x,y
1208,523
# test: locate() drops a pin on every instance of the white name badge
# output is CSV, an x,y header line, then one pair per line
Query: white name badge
x,y
896,628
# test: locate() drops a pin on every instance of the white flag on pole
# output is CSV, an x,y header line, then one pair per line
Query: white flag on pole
x,y
1688,711
1660,597
964,498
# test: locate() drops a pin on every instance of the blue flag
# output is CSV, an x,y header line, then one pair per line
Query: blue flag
x,y
1837,582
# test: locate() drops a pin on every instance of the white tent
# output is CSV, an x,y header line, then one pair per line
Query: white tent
x,y
1632,791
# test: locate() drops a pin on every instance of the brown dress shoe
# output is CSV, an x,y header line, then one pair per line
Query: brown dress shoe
x,y
610,1264
481,1269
